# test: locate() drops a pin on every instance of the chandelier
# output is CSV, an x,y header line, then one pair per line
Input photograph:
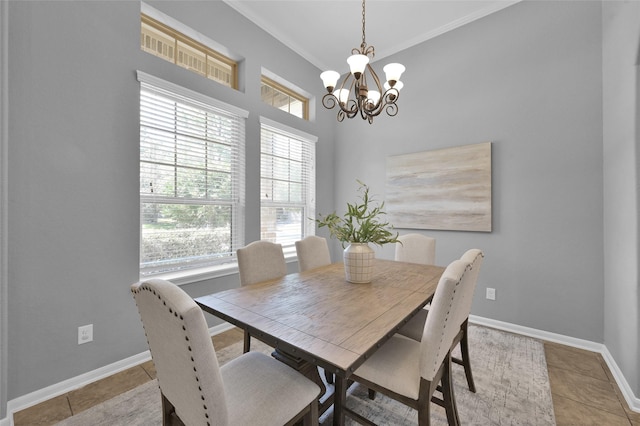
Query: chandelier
x,y
355,96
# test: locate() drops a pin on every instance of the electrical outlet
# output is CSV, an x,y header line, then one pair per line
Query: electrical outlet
x,y
85,334
491,293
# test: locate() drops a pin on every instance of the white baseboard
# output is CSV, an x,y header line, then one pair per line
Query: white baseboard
x,y
632,400
77,382
52,391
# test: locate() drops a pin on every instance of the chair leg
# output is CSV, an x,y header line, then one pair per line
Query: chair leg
x,y
448,395
466,363
247,341
372,394
312,417
167,410
427,388
169,416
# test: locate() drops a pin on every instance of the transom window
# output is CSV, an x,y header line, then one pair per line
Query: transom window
x,y
283,98
287,183
165,42
191,178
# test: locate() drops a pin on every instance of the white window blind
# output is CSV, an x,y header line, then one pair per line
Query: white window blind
x,y
191,180
287,171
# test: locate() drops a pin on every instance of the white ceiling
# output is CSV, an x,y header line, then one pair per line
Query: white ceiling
x,y
325,31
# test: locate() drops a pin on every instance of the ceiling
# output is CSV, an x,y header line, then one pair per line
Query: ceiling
x,y
325,31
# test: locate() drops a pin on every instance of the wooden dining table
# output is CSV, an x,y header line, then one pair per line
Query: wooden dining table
x,y
318,319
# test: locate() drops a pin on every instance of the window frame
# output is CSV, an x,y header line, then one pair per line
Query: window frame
x,y
266,81
207,51
237,204
309,190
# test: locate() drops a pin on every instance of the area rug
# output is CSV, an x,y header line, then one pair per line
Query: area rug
x,y
510,373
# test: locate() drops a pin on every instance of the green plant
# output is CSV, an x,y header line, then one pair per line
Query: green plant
x,y
361,223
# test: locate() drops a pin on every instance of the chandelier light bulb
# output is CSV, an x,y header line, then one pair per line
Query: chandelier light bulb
x,y
342,95
374,96
393,72
357,64
330,79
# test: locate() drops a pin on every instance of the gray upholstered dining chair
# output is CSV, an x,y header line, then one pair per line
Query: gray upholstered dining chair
x,y
259,261
416,248
410,371
253,389
312,252
413,328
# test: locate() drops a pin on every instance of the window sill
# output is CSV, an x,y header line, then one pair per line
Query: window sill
x,y
202,274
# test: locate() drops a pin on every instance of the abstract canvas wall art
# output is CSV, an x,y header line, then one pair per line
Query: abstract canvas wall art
x,y
447,189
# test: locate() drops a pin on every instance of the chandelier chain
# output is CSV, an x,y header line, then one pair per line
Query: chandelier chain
x,y
364,43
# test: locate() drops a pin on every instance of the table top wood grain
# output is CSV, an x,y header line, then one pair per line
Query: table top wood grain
x,y
320,317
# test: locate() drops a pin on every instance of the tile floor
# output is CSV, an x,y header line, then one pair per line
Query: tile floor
x,y
583,389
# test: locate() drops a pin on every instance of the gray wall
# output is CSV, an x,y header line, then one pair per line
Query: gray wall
x,y
528,79
74,174
621,87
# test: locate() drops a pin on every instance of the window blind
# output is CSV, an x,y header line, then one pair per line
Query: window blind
x,y
287,182
191,181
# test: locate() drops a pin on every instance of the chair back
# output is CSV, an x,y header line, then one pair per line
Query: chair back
x,y
313,252
182,352
261,261
444,319
474,257
416,248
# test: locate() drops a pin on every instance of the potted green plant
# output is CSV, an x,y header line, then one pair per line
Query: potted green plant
x,y
361,224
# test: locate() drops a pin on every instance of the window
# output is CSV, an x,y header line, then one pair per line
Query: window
x,y
283,98
165,42
191,178
287,182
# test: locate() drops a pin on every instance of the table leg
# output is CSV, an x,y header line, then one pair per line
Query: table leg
x,y
339,400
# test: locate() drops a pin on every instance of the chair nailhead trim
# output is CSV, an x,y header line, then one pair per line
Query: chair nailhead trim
x,y
467,268
184,328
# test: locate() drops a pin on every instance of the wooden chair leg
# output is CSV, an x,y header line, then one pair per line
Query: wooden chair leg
x,y
169,416
314,415
247,342
424,402
448,395
466,362
167,409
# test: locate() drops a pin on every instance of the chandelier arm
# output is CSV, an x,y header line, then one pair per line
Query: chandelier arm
x,y
375,79
329,101
391,109
375,111
346,79
391,95
369,51
387,102
350,108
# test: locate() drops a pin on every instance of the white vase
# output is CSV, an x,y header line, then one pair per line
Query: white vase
x,y
358,262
